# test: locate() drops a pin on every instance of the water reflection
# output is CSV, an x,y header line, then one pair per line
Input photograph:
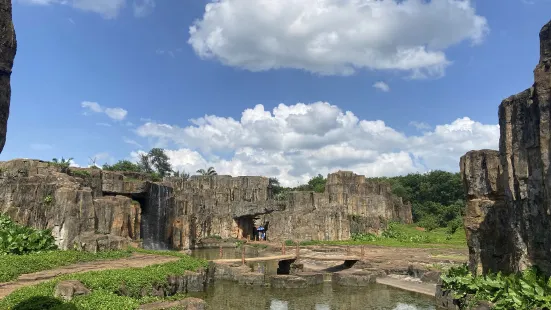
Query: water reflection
x,y
230,296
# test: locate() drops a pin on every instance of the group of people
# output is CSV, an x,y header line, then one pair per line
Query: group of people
x,y
261,232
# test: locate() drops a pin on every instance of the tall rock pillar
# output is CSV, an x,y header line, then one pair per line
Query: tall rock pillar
x,y
8,46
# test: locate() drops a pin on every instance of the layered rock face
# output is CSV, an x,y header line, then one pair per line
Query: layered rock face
x,y
229,207
79,206
8,47
522,179
92,209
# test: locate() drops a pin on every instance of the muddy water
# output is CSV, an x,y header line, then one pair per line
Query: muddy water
x,y
230,296
225,295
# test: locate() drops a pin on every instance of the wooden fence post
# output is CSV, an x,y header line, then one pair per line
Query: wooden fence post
x,y
363,251
221,252
243,254
283,248
298,250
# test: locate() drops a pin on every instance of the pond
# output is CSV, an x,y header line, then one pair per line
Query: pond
x,y
226,295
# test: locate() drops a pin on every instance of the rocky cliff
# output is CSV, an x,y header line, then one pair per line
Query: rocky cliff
x,y
8,47
511,197
93,209
229,207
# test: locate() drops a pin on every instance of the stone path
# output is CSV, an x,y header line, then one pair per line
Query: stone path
x,y
428,289
136,260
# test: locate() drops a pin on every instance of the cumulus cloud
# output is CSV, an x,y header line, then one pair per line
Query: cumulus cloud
x,y
296,142
107,8
382,86
117,114
336,37
131,142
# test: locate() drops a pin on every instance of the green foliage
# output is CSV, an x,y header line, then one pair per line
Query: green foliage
x,y
209,171
160,162
183,174
63,164
43,303
317,183
48,199
79,173
105,285
436,197
13,266
123,165
454,225
18,239
526,290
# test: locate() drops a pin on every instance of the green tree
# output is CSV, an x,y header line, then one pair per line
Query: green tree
x,y
160,162
184,175
209,171
63,164
317,184
123,165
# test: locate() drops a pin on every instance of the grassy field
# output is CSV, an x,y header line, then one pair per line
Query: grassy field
x,y
400,235
104,286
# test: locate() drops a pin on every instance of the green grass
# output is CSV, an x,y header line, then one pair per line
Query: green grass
x,y
401,235
12,266
104,285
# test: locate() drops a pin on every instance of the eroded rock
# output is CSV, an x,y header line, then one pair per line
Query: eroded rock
x,y
69,289
509,204
189,303
287,281
8,48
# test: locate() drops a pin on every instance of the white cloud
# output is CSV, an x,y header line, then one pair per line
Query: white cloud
x,y
382,86
103,124
299,141
131,142
107,8
143,7
420,125
336,37
117,114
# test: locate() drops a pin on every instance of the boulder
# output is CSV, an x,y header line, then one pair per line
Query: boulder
x,y
70,288
357,278
312,278
251,278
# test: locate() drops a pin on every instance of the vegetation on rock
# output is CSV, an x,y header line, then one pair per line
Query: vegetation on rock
x,y
18,239
155,163
63,164
527,290
209,171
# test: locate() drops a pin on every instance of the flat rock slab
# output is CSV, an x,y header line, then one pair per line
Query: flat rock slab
x,y
287,281
312,278
251,278
428,289
184,304
357,278
136,260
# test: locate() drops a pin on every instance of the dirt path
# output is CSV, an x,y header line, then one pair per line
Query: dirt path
x,y
136,260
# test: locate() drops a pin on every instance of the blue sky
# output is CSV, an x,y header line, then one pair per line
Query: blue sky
x,y
109,78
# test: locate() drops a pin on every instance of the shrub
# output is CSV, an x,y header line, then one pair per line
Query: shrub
x,y
454,225
18,239
526,290
80,173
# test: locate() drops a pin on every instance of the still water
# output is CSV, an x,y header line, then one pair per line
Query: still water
x,y
226,295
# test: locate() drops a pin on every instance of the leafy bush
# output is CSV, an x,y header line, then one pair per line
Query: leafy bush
x,y
364,237
454,225
18,239
526,290
80,173
62,164
429,223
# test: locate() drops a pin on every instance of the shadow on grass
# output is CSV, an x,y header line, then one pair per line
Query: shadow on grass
x,y
43,303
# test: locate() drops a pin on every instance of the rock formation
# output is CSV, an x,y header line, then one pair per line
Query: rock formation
x,y
8,47
511,199
94,209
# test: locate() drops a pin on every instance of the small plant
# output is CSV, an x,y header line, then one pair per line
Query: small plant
x,y
239,243
80,173
48,199
62,164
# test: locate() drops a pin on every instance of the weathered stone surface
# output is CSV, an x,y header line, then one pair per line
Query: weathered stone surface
x,y
287,281
8,48
431,276
189,303
251,278
117,183
358,278
70,288
509,209
312,278
226,206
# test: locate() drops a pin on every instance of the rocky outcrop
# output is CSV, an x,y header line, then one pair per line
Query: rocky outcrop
x,y
511,199
92,209
8,47
72,204
229,207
